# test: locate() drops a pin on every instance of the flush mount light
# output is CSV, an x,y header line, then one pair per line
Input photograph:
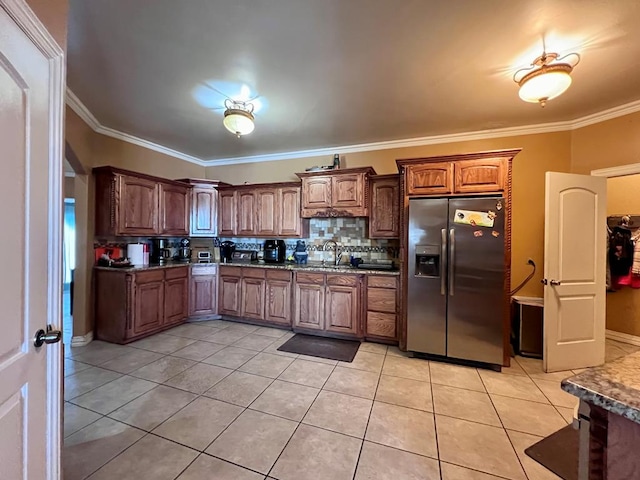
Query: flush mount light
x,y
238,117
548,77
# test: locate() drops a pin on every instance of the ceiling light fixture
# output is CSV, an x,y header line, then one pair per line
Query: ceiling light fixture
x,y
548,77
238,117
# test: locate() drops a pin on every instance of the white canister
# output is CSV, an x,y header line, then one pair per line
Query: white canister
x,y
135,253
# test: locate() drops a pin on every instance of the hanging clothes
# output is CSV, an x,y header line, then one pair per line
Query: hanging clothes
x,y
621,252
635,265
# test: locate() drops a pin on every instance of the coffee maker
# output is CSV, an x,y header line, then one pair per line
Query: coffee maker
x,y
226,251
274,251
160,252
184,252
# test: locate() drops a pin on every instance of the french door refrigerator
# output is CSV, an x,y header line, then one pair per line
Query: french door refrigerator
x,y
456,278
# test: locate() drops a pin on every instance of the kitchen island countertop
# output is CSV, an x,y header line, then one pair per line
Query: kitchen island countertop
x,y
614,386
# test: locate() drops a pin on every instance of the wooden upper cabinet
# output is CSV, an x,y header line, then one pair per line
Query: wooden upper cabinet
x,y
384,212
291,224
227,213
430,178
483,175
204,212
246,213
137,206
336,193
316,192
268,211
174,210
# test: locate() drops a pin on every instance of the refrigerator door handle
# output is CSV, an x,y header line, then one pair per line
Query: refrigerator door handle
x,y
443,262
452,254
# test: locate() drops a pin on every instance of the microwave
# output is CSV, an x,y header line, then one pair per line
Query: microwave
x,y
204,255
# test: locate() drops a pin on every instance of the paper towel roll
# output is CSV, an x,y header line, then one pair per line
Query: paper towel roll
x,y
135,252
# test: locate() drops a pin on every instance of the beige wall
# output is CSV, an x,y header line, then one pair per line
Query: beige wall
x,y
53,14
623,306
539,154
68,187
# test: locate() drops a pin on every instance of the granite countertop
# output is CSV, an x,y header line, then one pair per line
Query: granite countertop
x,y
614,386
151,266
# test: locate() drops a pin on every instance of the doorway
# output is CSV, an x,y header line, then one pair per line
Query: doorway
x,y
68,268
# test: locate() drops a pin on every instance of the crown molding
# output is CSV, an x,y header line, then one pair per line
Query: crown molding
x,y
77,106
620,171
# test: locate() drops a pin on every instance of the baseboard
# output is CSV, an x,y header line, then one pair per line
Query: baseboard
x,y
82,340
204,318
623,337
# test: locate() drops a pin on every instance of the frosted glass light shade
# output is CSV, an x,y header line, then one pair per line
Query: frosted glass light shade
x,y
545,84
238,122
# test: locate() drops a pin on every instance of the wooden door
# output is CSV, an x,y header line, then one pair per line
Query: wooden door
x,y
429,179
31,109
268,212
384,213
138,206
316,192
229,296
290,221
309,302
342,304
203,291
347,190
174,210
176,295
204,218
480,176
278,297
574,271
227,213
252,298
148,301
246,213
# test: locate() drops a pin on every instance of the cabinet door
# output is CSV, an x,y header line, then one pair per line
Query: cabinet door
x,y
347,190
227,213
176,297
148,302
479,176
342,310
203,293
309,306
278,301
229,297
138,206
316,192
174,210
246,213
252,298
268,212
430,178
204,219
384,214
289,212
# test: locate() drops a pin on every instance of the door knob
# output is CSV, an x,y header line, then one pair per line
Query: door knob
x,y
553,283
50,336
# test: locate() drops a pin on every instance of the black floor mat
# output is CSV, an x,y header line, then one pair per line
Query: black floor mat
x,y
331,348
558,452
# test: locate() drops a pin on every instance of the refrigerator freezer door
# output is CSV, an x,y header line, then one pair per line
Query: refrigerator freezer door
x,y
476,280
426,295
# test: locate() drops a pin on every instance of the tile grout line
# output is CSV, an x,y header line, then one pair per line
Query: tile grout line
x,y
435,424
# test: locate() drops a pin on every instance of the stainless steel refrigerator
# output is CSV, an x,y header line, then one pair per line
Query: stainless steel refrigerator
x,y
456,278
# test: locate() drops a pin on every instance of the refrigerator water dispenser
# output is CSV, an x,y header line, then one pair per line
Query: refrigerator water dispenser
x,y
427,261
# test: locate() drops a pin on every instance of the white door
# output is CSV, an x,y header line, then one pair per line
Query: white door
x,y
574,271
30,205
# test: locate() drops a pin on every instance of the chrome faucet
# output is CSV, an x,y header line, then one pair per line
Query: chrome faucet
x,y
338,251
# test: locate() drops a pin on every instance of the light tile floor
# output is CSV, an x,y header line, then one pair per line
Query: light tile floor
x,y
216,400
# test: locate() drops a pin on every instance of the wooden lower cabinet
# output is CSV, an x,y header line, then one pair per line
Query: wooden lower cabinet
x,y
203,291
133,304
252,298
278,297
328,302
382,307
229,291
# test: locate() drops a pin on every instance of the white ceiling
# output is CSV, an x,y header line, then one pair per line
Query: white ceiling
x,y
334,73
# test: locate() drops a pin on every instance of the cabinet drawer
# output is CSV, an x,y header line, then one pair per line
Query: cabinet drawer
x,y
283,275
176,272
381,324
150,276
249,272
230,271
381,300
380,281
344,280
310,278
196,271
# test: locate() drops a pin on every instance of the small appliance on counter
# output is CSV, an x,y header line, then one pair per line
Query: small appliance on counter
x,y
300,256
160,252
244,256
184,252
275,251
204,256
226,251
